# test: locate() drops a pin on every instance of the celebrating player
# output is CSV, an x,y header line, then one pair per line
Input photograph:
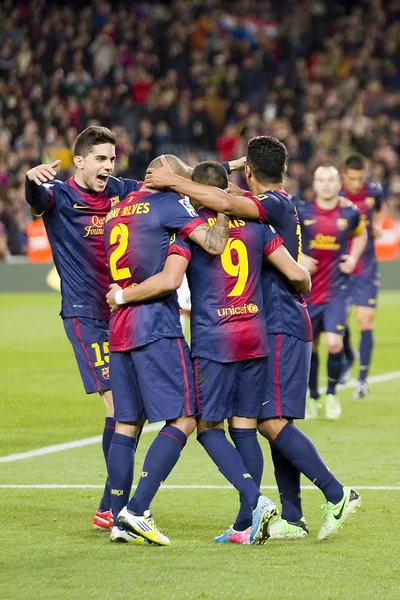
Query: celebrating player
x,y
289,332
364,281
327,228
73,213
149,361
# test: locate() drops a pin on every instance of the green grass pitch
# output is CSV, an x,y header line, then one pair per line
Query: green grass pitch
x,y
48,549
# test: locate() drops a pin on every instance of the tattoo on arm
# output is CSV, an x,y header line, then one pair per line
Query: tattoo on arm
x,y
217,234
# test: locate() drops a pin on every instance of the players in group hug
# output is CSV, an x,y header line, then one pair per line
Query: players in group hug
x,y
251,332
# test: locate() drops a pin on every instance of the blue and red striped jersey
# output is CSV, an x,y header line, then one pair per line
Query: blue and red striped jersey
x,y
285,308
227,321
74,221
368,201
326,235
137,235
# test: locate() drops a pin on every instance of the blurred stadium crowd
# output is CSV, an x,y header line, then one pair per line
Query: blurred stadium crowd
x,y
198,79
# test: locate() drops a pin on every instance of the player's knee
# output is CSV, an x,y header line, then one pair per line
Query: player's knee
x,y
366,323
334,343
270,428
186,424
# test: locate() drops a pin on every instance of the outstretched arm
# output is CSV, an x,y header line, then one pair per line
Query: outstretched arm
x,y
161,284
39,198
208,196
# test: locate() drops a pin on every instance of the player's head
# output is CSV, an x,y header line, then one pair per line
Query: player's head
x,y
176,164
266,160
326,183
94,157
210,173
354,173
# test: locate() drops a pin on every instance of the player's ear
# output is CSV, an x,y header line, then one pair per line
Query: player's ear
x,y
79,162
285,170
248,172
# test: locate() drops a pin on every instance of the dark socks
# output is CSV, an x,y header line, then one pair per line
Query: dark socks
x,y
161,458
348,350
288,481
120,470
301,452
366,346
108,432
246,443
230,463
334,370
313,378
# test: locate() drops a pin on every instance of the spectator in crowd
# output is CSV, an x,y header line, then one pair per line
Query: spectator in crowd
x,y
198,80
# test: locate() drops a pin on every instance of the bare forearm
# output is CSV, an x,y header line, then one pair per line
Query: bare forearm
x,y
358,245
157,286
212,238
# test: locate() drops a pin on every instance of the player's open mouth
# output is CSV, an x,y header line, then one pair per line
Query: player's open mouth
x,y
103,178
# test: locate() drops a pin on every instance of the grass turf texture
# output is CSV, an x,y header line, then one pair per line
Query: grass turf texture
x,y
47,546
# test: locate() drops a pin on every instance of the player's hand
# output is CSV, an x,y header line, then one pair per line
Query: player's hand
x,y
114,288
43,173
344,202
347,264
311,264
161,177
238,164
376,231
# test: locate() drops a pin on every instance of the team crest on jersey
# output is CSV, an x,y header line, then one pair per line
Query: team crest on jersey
x,y
341,224
188,207
105,372
370,202
114,200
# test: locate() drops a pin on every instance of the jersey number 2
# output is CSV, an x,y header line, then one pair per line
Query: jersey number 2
x,y
120,234
239,269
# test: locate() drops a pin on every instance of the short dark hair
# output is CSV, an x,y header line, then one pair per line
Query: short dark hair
x,y
267,158
355,161
210,173
93,136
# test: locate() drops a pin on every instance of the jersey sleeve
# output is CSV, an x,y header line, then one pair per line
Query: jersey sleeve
x,y
258,201
39,197
179,246
272,240
356,225
119,186
177,213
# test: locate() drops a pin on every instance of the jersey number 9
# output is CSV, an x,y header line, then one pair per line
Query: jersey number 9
x,y
238,269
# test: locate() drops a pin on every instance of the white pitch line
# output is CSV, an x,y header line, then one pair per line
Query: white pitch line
x,y
149,428
56,486
66,446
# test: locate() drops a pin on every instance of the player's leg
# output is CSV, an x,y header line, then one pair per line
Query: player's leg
x,y
164,375
223,391
297,449
130,417
335,320
89,339
365,318
316,316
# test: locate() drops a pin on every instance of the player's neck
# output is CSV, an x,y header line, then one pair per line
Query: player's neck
x,y
327,204
257,187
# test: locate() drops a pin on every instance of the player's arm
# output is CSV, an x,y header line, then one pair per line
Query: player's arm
x,y
3,242
37,196
298,275
360,235
212,238
310,263
161,284
208,196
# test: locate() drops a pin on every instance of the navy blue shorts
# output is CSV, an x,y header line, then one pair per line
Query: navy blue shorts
x,y
364,288
288,367
153,382
89,339
331,316
226,390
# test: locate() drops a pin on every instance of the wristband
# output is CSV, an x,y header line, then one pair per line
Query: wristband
x,y
119,297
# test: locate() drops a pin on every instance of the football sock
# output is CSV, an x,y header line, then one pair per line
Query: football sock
x,y
334,370
120,470
108,432
288,481
246,443
313,378
366,346
348,350
161,458
230,463
301,452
